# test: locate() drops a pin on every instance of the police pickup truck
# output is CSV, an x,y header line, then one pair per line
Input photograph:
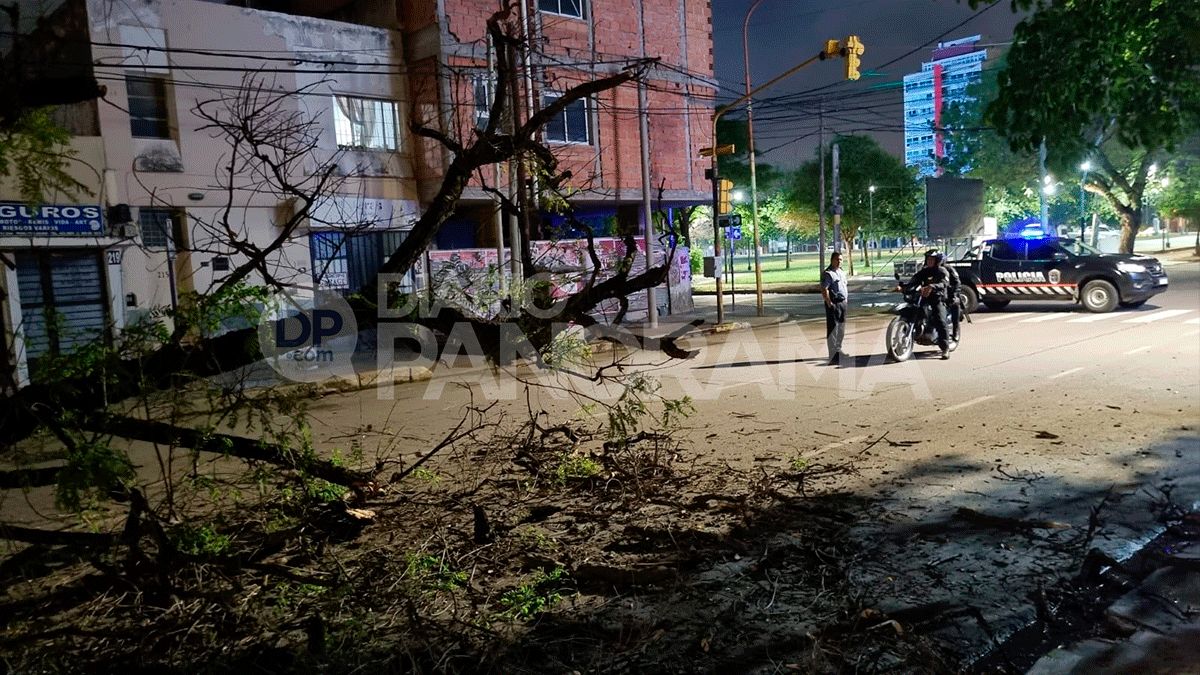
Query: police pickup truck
x,y
1056,268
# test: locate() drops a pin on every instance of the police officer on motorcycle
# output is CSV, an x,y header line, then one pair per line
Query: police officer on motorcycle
x,y
934,284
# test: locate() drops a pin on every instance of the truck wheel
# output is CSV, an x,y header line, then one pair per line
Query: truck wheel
x,y
971,297
996,304
1133,305
1099,296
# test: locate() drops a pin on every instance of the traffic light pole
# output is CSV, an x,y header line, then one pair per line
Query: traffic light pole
x,y
715,173
851,51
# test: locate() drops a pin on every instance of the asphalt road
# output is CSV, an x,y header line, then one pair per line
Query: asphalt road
x,y
1044,414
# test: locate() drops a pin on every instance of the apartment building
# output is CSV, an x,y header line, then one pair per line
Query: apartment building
x,y
943,79
157,214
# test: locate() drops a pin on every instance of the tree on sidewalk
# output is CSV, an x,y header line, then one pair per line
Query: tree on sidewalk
x,y
863,163
1124,90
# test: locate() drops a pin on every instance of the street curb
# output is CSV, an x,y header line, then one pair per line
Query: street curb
x,y
857,285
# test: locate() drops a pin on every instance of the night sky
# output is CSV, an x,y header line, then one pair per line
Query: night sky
x,y
785,32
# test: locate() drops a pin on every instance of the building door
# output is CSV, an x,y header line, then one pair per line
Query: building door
x,y
64,301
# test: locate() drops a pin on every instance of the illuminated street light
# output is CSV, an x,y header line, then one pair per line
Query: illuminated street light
x,y
739,196
1050,189
1086,166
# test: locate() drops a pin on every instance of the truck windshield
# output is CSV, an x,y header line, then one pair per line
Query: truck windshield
x,y
1076,247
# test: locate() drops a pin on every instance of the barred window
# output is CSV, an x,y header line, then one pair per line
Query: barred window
x,y
157,226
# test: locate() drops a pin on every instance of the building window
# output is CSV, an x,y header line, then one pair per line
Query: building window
x,y
157,226
572,8
571,125
365,123
148,107
481,87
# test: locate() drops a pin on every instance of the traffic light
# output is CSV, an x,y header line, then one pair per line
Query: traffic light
x,y
724,187
853,50
832,48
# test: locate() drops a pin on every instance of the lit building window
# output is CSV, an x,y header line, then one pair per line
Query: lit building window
x,y
365,123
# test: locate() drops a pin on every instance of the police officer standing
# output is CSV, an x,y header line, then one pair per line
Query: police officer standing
x,y
835,292
934,282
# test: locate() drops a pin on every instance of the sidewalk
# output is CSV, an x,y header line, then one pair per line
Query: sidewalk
x,y
856,283
742,317
1159,619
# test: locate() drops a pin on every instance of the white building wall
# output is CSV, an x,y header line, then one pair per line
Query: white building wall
x,y
162,38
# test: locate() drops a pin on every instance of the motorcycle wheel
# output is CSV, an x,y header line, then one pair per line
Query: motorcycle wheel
x,y
899,339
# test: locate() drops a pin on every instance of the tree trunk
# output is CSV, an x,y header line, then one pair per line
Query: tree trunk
x,y
787,252
1131,222
850,256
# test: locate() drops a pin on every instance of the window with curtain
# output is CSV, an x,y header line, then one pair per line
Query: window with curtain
x,y
572,125
481,88
365,123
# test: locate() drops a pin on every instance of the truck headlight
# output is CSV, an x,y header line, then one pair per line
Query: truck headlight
x,y
1131,268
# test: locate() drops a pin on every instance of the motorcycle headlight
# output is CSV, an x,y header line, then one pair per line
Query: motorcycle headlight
x,y
1131,268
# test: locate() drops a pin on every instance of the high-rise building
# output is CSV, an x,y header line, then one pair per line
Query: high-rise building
x,y
943,79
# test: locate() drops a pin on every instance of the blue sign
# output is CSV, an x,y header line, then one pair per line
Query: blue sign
x,y
25,220
734,232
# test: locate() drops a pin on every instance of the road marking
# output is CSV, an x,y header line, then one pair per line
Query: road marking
x,y
1158,316
1193,322
1095,317
1001,317
1044,317
838,444
1139,350
973,401
1065,373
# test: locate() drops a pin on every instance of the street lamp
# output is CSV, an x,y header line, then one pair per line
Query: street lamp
x,y
758,289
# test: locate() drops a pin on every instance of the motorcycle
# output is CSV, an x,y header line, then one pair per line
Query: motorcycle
x,y
912,325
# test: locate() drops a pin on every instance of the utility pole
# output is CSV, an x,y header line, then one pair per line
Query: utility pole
x,y
516,178
821,191
501,280
644,135
758,288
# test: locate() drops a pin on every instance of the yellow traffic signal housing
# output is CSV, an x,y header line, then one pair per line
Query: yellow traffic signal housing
x,y
832,48
853,50
724,188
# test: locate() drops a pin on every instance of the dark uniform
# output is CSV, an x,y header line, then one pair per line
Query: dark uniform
x,y
939,282
952,286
